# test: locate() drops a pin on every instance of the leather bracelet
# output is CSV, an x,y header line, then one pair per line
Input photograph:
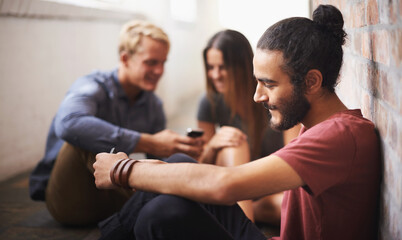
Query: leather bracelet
x,y
114,172
113,169
117,174
125,173
120,172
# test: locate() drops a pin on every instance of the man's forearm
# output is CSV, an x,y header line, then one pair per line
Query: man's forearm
x,y
94,134
199,182
145,144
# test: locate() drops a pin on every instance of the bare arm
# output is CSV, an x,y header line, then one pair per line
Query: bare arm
x,y
209,130
216,141
204,182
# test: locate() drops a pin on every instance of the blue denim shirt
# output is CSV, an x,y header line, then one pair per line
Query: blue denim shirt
x,y
96,115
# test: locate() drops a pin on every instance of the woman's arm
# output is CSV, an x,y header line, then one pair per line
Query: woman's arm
x,y
214,142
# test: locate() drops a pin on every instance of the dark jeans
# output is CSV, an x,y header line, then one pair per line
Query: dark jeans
x,y
152,216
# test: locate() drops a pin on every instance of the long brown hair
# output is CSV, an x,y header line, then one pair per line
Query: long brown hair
x,y
238,59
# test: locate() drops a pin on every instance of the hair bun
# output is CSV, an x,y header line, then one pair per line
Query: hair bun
x,y
330,18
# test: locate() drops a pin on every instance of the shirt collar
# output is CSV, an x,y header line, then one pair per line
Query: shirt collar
x,y
121,94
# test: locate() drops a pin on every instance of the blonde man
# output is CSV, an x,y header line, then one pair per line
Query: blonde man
x,y
104,110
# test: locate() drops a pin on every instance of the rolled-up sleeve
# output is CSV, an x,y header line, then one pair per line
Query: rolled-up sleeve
x,y
76,121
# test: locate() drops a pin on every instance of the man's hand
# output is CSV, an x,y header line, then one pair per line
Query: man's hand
x,y
104,162
167,142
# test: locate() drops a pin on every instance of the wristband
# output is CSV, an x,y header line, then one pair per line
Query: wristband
x,y
125,173
113,170
120,172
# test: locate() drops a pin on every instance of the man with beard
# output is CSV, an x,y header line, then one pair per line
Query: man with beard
x,y
331,172
105,110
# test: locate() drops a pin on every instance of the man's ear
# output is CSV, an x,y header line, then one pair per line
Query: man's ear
x,y
313,81
124,57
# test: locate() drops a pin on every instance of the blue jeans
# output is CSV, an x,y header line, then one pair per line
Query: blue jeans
x,y
152,216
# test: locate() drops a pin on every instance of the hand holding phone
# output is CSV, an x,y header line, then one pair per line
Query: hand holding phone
x,y
194,133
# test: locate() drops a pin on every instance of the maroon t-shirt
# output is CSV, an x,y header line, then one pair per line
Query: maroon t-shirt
x,y
339,160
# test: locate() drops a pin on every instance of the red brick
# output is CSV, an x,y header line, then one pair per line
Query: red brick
x,y
356,42
400,9
361,74
396,47
366,106
356,16
394,11
366,43
340,4
400,99
389,88
399,142
381,46
393,133
372,12
388,11
381,119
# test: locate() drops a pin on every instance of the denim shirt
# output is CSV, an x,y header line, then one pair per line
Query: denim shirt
x,y
97,115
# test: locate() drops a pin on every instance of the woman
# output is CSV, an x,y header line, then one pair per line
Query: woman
x,y
243,133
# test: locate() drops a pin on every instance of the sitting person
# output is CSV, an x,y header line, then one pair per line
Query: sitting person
x,y
105,110
331,172
243,134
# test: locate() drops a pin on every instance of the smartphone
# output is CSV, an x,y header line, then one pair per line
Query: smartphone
x,y
194,133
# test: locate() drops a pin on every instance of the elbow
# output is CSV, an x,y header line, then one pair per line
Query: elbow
x,y
61,131
64,129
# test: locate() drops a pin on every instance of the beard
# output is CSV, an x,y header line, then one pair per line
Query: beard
x,y
292,110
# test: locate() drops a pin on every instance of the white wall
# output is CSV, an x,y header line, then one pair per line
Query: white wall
x,y
46,44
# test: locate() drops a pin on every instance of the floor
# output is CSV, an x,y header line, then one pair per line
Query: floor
x,y
21,218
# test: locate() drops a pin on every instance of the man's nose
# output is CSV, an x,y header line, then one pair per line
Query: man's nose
x,y
259,95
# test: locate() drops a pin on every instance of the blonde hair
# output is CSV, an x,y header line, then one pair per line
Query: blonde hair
x,y
132,32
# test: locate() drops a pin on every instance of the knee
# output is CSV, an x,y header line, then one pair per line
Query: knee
x,y
162,215
233,156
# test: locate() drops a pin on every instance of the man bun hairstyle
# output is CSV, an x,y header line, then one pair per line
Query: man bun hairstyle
x,y
309,44
330,19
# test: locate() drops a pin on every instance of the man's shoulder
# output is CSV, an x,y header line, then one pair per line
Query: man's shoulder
x,y
347,129
94,82
350,120
98,76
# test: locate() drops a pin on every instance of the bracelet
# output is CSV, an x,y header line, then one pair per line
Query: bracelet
x,y
113,170
120,172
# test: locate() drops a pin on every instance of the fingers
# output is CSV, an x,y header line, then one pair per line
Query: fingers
x,y
232,132
189,140
194,151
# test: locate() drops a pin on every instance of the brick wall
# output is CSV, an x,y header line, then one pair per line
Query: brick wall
x,y
371,80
